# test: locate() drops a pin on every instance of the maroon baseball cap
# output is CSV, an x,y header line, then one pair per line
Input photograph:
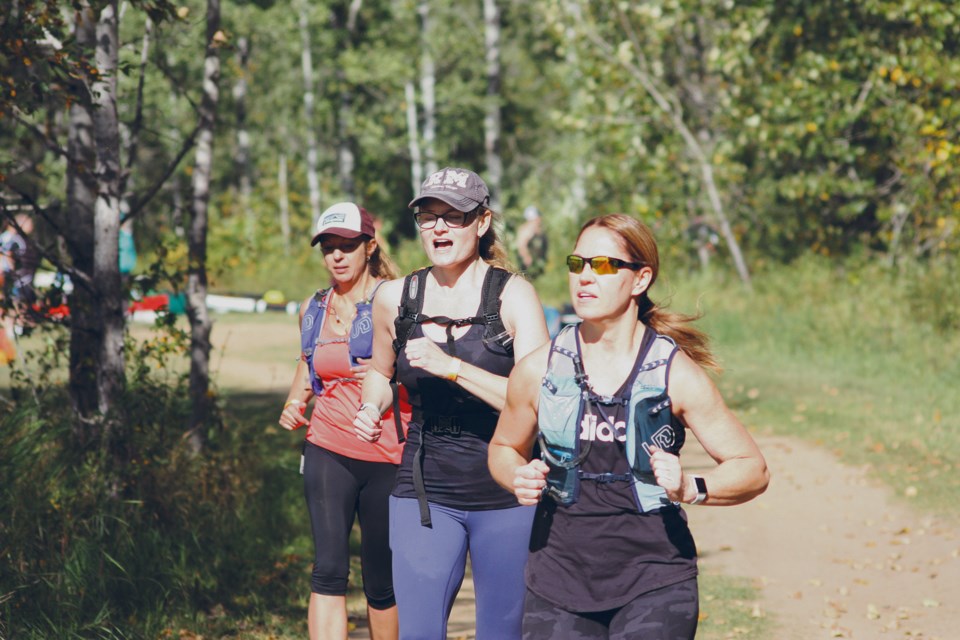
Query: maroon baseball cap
x,y
346,220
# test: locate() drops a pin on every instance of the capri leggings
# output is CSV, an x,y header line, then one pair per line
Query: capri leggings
x,y
337,488
668,613
429,564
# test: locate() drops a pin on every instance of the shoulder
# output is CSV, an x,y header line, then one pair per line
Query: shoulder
x,y
389,293
687,381
533,366
519,288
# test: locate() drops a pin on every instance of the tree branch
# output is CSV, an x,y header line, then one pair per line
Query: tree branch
x,y
141,202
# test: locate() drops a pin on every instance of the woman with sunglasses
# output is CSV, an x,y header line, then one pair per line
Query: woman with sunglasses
x,y
344,479
451,333
609,401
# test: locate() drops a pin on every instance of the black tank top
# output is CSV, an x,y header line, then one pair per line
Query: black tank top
x,y
602,552
456,428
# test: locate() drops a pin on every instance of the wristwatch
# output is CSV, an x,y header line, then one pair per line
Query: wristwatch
x,y
701,490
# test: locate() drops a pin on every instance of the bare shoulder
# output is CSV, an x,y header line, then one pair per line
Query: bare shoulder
x,y
691,387
519,288
389,293
533,366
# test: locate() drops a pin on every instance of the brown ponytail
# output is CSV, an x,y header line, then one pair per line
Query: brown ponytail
x,y
491,248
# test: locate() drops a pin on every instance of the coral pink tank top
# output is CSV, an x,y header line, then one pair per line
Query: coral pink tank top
x,y
331,425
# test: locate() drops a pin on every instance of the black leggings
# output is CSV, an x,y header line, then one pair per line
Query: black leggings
x,y
337,488
668,613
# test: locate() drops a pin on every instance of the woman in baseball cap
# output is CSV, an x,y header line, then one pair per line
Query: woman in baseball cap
x,y
343,477
451,334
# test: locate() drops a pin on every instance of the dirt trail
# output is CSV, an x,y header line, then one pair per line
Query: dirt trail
x,y
833,554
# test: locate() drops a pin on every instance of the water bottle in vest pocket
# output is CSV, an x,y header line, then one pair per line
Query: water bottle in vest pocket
x,y
559,424
653,424
361,333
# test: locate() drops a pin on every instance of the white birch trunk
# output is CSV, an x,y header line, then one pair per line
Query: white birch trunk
x,y
111,377
242,158
310,137
284,200
491,119
413,137
197,310
427,90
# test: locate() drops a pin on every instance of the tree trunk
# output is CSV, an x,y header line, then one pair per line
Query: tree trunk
x,y
427,85
313,155
197,311
491,120
346,159
413,137
242,158
284,201
109,301
79,240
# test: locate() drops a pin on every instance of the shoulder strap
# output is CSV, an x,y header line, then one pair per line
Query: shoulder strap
x,y
411,303
493,285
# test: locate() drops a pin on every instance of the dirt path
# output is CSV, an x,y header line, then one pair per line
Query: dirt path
x,y
833,554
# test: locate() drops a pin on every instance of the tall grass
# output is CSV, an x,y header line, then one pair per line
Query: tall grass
x,y
119,539
862,359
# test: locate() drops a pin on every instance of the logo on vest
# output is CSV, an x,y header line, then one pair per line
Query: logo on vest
x,y
604,431
664,438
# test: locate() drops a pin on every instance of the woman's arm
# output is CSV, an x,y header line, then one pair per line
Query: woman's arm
x,y
512,445
301,390
522,316
741,472
377,395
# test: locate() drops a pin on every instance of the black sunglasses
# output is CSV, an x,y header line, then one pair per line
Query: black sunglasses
x,y
601,265
453,219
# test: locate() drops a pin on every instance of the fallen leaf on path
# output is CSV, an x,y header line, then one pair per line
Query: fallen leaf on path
x,y
930,603
872,612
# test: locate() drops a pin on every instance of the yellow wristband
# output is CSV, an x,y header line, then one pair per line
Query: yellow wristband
x,y
454,372
294,401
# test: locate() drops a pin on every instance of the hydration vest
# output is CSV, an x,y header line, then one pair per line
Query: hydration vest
x,y
408,316
360,341
565,397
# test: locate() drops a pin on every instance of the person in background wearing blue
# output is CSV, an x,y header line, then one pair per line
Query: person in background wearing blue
x,y
344,478
609,401
452,333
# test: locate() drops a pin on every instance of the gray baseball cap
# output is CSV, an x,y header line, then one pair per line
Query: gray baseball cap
x,y
462,189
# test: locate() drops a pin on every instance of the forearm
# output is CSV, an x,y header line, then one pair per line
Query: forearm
x,y
504,461
377,391
487,386
732,482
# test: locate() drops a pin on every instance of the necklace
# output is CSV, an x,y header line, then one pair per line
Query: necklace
x,y
341,323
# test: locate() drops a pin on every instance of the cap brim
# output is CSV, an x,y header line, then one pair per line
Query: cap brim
x,y
458,203
343,233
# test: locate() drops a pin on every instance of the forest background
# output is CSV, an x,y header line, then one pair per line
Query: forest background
x,y
796,160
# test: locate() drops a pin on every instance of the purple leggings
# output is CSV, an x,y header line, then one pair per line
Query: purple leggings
x,y
428,567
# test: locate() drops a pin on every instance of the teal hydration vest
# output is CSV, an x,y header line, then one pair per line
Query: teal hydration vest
x,y
565,397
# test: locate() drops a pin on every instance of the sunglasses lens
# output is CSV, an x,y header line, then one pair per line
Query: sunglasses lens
x,y
575,264
602,265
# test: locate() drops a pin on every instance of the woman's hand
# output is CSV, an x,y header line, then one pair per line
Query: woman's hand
x,y
292,417
423,353
529,481
367,425
360,369
668,472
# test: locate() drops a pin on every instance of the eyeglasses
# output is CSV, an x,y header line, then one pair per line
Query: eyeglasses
x,y
601,265
453,219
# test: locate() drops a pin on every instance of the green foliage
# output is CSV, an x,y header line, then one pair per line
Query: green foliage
x,y
118,539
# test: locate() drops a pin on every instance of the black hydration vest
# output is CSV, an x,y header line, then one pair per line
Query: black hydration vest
x,y
409,316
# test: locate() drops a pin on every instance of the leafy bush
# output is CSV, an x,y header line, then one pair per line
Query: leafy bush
x,y
117,538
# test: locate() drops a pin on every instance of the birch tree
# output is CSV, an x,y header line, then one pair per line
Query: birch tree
x,y
309,134
428,80
200,323
491,118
